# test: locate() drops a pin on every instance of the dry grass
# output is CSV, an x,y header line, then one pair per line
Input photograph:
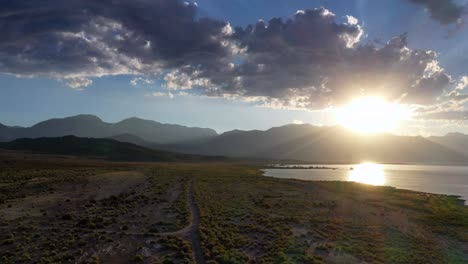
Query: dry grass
x,y
60,210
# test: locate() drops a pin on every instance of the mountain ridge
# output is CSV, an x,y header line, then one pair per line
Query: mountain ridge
x,y
304,142
92,126
457,141
322,144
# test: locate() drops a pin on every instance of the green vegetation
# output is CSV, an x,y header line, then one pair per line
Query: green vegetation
x,y
67,211
246,217
98,148
181,248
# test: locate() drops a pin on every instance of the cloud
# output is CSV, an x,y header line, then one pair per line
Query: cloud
x,y
446,115
158,94
444,11
463,83
135,81
312,61
168,94
457,96
96,38
78,82
298,122
449,107
352,20
309,61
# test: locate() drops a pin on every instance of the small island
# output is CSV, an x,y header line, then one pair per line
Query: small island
x,y
299,167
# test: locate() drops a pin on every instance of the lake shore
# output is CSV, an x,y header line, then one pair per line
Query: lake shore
x,y
445,180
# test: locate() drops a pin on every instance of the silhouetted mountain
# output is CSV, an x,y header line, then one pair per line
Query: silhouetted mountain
x,y
322,144
3,132
159,133
339,145
239,143
129,138
456,141
98,148
92,126
295,142
81,125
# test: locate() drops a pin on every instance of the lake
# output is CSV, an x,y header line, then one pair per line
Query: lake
x,y
451,180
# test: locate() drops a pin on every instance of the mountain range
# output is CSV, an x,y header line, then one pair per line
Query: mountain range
x,y
456,141
322,144
290,142
93,126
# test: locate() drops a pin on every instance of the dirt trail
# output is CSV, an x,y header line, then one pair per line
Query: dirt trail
x,y
191,232
194,233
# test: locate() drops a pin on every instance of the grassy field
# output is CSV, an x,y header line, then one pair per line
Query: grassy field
x,y
65,210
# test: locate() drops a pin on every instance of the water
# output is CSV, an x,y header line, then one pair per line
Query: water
x,y
451,180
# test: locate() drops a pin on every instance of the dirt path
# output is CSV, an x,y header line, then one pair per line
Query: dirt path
x,y
191,232
194,233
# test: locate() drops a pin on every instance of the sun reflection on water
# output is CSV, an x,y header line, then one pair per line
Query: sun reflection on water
x,y
368,173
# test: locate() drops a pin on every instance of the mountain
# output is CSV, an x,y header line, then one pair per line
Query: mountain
x,y
156,132
7,132
92,126
456,141
81,125
98,148
339,145
321,144
240,143
4,134
129,138
295,142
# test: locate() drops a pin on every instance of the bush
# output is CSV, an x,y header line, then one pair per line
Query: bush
x,y
67,217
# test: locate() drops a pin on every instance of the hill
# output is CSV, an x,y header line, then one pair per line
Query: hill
x,y
456,141
322,144
98,148
129,138
93,126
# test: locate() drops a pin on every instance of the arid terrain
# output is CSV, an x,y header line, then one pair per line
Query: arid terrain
x,y
61,209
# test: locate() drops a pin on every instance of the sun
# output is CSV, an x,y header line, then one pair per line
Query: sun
x,y
371,115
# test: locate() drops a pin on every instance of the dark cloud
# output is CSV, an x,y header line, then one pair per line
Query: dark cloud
x,y
308,61
78,38
444,11
312,61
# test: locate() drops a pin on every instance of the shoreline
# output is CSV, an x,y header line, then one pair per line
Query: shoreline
x,y
459,198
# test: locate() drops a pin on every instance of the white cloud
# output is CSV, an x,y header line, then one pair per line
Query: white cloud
x,y
227,30
463,83
78,82
135,81
162,94
179,80
158,94
298,122
352,20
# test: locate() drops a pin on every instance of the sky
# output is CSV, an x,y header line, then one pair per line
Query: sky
x,y
234,64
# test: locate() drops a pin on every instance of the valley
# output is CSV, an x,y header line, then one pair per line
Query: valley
x,y
63,209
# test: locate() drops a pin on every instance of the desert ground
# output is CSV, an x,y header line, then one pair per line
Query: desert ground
x,y
62,209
